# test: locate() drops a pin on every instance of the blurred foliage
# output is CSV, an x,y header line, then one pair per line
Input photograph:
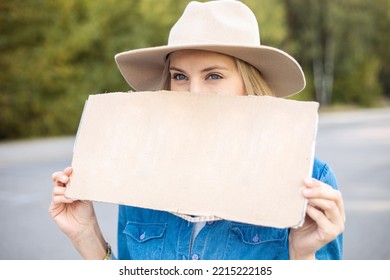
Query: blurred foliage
x,y
342,48
54,53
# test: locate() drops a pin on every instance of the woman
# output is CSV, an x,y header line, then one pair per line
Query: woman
x,y
214,47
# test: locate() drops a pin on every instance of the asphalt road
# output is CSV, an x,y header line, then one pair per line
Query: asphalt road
x,y
355,144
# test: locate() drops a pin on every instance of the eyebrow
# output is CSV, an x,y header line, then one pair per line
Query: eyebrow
x,y
208,69
216,67
176,69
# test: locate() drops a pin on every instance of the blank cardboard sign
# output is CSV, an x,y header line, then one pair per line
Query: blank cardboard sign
x,y
208,156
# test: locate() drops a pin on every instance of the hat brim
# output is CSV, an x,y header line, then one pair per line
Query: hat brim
x,y
142,68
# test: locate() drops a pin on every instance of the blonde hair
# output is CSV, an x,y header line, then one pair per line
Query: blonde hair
x,y
253,81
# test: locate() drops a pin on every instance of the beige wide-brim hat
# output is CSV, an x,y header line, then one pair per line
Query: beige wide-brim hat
x,y
224,26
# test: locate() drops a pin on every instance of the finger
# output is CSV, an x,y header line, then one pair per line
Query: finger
x,y
61,179
68,171
330,210
313,183
55,175
330,202
317,189
61,199
58,190
328,231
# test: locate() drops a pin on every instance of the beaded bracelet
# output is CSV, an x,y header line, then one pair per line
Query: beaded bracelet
x,y
108,254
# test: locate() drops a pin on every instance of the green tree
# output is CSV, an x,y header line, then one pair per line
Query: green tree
x,y
55,53
381,41
20,34
332,39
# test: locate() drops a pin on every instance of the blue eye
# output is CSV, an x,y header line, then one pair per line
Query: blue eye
x,y
214,77
179,77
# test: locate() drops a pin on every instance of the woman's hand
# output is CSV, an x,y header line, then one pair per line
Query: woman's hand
x,y
76,218
324,221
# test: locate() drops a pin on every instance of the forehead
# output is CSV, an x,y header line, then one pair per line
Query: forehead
x,y
183,56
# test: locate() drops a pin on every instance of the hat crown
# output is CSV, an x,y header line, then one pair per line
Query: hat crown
x,y
217,22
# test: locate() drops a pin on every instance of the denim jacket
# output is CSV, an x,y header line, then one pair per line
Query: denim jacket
x,y
152,235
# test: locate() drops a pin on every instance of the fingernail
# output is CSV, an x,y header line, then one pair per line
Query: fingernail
x,y
309,181
307,192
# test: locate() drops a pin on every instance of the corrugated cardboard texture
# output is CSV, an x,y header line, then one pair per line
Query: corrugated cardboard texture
x,y
239,158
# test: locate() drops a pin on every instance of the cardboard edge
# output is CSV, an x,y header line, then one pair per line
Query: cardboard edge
x,y
80,124
305,202
75,144
197,219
